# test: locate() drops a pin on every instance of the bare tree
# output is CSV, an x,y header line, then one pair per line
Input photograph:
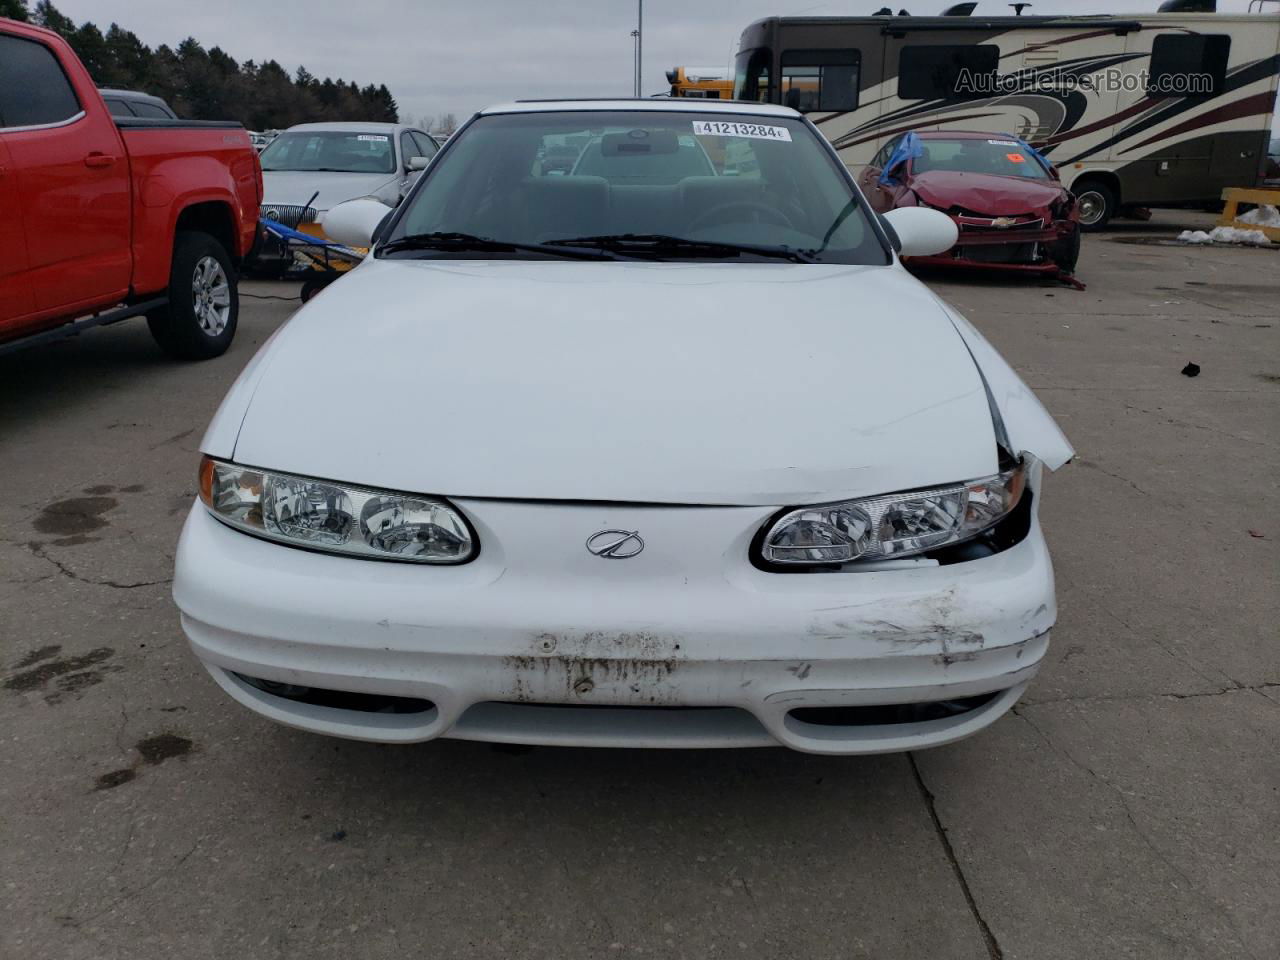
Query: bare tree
x,y
448,123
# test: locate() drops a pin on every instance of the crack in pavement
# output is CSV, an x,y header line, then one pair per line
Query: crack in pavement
x,y
1184,661
1174,421
1128,813
1115,476
989,938
39,551
138,891
1129,698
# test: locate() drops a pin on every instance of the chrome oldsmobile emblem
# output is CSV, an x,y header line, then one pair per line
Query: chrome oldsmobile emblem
x,y
271,213
615,544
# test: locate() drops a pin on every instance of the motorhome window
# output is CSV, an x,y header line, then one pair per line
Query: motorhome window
x,y
751,75
820,79
947,72
1188,65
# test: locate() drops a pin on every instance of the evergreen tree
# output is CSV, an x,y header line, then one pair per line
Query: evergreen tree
x,y
209,84
47,15
15,10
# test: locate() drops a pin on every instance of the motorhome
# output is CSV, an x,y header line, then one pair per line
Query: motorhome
x,y
1148,110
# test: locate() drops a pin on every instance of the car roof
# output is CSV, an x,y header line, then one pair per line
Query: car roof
x,y
119,94
351,125
646,104
961,135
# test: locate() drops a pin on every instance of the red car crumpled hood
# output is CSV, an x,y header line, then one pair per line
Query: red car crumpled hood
x,y
984,192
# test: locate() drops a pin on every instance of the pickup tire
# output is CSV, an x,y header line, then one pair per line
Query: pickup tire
x,y
199,322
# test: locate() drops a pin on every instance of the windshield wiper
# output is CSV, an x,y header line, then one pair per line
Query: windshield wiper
x,y
459,242
661,245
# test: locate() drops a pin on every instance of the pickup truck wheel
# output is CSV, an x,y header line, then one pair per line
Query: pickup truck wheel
x,y
200,320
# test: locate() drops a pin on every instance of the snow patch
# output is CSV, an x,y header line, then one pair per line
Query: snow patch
x,y
1227,235
1263,216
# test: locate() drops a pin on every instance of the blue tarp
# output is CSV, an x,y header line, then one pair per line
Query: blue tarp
x,y
908,148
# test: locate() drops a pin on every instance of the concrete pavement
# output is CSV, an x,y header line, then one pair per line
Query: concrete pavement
x,y
1127,808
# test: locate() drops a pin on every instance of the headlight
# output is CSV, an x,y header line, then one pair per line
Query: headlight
x,y
333,517
896,525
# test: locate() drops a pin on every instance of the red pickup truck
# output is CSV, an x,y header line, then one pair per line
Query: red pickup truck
x,y
104,218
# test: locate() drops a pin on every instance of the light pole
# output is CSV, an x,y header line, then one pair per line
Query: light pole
x,y
635,67
638,33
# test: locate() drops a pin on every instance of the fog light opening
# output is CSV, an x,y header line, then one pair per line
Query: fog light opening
x,y
888,714
339,699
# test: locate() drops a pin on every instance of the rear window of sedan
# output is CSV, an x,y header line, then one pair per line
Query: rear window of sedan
x,y
610,157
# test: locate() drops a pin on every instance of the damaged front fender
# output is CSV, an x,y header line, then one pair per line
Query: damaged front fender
x,y
1028,426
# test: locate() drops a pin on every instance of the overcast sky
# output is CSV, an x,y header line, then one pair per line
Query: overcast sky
x,y
448,55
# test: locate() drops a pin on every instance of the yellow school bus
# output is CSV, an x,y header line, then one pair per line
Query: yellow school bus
x,y
708,83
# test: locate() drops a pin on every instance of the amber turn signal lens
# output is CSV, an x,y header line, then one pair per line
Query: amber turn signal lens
x,y
206,481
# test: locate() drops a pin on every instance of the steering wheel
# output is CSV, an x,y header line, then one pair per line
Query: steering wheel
x,y
722,213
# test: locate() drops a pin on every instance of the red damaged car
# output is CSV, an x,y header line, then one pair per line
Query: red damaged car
x,y
1012,211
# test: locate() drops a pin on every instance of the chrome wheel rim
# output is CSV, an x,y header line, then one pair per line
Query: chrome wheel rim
x,y
1091,207
211,296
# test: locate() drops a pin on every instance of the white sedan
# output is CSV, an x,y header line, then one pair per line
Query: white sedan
x,y
312,167
636,458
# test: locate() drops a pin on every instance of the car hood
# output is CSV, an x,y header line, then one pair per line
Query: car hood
x,y
298,186
984,192
643,382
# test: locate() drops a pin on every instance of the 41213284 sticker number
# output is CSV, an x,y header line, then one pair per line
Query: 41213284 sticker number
x,y
730,128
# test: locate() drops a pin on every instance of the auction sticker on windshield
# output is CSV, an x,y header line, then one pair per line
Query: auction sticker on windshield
x,y
756,131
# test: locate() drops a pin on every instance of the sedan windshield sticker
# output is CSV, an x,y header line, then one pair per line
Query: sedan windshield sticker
x,y
1016,158
372,136
756,131
1003,143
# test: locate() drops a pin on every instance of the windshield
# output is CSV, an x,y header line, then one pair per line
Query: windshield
x,y
751,75
679,181
341,151
1006,158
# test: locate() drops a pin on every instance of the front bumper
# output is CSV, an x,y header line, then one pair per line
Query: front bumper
x,y
1011,249
537,641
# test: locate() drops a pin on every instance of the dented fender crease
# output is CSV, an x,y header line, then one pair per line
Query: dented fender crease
x,y
1030,427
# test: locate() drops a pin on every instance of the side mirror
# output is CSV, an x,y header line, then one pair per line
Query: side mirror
x,y
354,222
921,231
418,163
